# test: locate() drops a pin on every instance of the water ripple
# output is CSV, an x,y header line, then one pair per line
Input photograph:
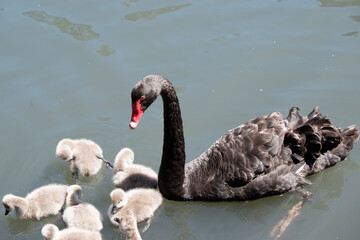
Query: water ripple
x,y
152,14
80,32
337,3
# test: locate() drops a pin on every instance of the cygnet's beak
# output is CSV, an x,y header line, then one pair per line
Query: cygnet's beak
x,y
7,212
113,210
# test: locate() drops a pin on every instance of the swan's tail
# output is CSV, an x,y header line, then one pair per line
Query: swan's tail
x,y
315,140
349,136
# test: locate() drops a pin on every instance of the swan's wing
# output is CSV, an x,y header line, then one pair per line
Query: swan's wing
x,y
256,146
243,153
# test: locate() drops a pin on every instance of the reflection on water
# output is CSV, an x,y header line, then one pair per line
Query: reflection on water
x,y
59,172
351,34
339,3
274,215
180,214
27,226
284,223
331,183
355,18
80,32
224,38
125,3
105,50
152,14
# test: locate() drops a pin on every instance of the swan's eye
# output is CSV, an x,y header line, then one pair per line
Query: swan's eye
x,y
142,98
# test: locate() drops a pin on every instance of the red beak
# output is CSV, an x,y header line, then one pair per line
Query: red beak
x,y
136,115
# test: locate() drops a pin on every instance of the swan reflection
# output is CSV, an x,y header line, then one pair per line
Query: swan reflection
x,y
271,216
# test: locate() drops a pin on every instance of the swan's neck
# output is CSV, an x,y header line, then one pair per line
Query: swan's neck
x,y
171,173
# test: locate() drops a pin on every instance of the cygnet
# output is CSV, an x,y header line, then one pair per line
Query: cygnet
x,y
41,202
51,232
128,225
80,214
136,204
128,175
85,156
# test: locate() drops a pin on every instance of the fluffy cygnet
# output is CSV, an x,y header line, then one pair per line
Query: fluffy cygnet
x,y
41,202
136,204
128,175
85,156
80,214
51,232
128,225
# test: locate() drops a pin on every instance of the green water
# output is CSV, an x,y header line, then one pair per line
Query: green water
x,y
67,69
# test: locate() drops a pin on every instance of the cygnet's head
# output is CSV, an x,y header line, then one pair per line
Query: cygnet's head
x,y
75,189
118,199
9,203
74,195
123,159
49,231
64,149
127,223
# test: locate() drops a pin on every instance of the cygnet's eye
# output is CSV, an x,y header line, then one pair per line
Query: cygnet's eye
x,y
119,204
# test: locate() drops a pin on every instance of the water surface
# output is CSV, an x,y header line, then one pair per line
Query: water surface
x,y
67,69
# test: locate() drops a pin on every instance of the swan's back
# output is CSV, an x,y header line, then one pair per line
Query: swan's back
x,y
260,146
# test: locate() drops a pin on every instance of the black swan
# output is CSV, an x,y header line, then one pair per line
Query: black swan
x,y
265,156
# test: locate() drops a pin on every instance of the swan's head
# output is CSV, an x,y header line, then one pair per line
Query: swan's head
x,y
143,95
